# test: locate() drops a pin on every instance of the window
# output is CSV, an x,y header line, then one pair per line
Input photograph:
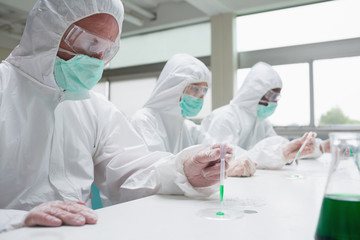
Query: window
x,y
130,96
336,86
293,40
294,94
313,23
160,46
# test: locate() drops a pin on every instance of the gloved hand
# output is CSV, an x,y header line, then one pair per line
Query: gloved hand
x,y
203,169
56,213
292,148
242,167
325,146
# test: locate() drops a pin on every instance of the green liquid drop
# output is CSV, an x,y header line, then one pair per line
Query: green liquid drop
x,y
220,213
339,218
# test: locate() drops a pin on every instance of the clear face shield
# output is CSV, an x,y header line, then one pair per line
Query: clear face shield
x,y
84,42
196,90
270,96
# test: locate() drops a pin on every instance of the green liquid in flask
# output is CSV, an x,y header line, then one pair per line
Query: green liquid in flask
x,y
339,218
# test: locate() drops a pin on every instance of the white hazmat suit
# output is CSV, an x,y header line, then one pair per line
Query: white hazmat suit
x,y
52,148
237,123
160,122
163,128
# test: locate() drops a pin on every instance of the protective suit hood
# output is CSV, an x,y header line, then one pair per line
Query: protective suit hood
x,y
45,26
160,122
237,122
180,71
261,78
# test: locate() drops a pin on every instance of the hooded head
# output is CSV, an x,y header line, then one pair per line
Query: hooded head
x,y
261,78
45,27
180,71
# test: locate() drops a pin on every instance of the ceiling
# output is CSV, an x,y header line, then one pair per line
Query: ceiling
x,y
142,16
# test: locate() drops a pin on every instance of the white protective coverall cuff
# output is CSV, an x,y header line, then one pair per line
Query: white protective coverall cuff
x,y
238,153
11,219
167,176
268,153
181,179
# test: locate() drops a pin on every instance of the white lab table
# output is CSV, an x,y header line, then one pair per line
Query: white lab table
x,y
283,207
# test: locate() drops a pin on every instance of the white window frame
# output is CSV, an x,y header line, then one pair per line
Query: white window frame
x,y
307,53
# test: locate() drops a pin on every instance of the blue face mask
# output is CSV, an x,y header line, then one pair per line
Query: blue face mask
x,y
190,106
79,73
266,111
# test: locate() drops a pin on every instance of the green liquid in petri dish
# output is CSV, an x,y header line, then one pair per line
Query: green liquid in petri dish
x,y
339,218
220,213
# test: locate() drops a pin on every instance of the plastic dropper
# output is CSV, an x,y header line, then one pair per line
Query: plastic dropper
x,y
222,176
302,148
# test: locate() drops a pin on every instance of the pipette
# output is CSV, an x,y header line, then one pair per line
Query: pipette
x,y
302,148
222,175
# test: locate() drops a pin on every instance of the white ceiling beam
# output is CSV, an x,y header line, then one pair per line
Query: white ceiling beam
x,y
8,40
133,20
149,3
10,35
145,13
5,22
19,7
210,7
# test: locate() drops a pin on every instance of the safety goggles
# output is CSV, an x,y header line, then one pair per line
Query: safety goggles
x,y
84,42
196,90
271,96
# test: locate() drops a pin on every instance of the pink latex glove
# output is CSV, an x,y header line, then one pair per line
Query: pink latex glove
x,y
56,213
325,146
292,148
203,169
242,167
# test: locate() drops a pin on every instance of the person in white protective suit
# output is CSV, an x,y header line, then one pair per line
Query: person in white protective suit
x,y
244,121
178,94
58,137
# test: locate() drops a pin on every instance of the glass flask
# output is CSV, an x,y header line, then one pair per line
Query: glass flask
x,y
340,211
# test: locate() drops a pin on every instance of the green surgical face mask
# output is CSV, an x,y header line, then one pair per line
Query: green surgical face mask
x,y
79,73
266,111
190,106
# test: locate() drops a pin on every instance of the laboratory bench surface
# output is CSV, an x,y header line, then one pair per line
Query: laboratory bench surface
x,y
278,204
